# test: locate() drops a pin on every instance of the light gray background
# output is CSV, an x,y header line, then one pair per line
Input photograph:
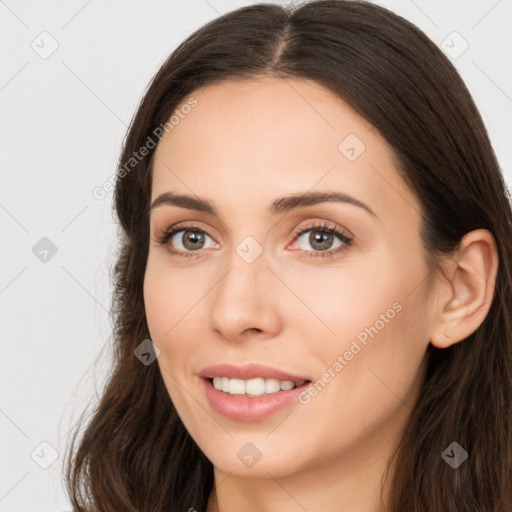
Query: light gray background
x,y
62,121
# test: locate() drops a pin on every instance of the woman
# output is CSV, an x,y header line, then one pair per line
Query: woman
x,y
313,292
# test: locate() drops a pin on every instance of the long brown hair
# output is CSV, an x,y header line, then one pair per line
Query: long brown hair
x,y
135,454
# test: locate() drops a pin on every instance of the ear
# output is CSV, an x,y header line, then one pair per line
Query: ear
x,y
465,297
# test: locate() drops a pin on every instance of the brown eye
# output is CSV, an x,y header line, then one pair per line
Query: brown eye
x,y
192,240
184,241
320,240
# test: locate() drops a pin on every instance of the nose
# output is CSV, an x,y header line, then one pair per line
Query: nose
x,y
245,302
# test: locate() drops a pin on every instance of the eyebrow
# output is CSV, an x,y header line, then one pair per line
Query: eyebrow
x,y
280,205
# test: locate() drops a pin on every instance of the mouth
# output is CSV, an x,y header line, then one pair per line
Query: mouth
x,y
250,392
255,387
248,407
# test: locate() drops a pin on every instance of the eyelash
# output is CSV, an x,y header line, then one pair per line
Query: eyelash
x,y
325,228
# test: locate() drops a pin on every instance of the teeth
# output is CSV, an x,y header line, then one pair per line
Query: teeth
x,y
236,387
253,387
287,384
272,386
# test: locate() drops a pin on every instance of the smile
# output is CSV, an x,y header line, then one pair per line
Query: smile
x,y
253,387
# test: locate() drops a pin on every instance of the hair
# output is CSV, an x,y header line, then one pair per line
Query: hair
x,y
135,453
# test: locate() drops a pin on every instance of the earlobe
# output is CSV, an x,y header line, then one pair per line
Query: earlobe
x,y
470,279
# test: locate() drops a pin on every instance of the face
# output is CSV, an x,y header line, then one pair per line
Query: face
x,y
261,289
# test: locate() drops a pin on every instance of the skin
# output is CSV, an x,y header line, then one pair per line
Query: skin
x,y
245,144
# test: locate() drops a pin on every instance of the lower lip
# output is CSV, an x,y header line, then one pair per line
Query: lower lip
x,y
244,408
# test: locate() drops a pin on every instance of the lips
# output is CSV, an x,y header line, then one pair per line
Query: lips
x,y
249,371
250,409
246,408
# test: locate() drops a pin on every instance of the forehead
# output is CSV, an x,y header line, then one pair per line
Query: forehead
x,y
264,137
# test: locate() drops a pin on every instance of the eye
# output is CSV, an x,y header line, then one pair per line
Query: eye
x,y
187,240
321,238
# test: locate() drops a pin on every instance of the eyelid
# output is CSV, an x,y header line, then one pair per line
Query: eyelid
x,y
315,223
193,225
320,224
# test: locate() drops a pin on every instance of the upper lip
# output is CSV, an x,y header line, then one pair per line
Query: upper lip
x,y
248,371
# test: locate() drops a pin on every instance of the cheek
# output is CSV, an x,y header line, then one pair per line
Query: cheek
x,y
346,301
158,302
369,374
163,314
168,296
172,311
175,316
378,326
380,292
